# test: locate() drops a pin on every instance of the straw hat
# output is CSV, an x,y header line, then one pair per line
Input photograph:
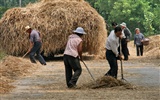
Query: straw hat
x,y
79,30
27,28
123,24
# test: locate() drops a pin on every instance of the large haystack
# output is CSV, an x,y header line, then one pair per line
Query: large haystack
x,y
153,49
55,20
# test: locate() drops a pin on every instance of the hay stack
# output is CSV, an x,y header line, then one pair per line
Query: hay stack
x,y
55,20
12,68
153,49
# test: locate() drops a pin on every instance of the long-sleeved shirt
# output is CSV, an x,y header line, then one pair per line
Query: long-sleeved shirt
x,y
138,38
126,33
113,43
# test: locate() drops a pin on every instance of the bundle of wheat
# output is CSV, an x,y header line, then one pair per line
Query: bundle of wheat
x,y
55,20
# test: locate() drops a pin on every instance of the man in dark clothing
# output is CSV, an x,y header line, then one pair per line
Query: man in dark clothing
x,y
35,45
126,35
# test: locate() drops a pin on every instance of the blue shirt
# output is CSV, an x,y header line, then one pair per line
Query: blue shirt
x,y
34,36
138,38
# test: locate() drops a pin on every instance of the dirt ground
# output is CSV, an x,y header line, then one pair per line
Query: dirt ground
x,y
48,82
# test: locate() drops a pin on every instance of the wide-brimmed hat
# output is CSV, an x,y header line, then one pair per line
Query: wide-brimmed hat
x,y
123,24
79,30
27,28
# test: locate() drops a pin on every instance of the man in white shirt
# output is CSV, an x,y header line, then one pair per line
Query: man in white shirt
x,y
112,53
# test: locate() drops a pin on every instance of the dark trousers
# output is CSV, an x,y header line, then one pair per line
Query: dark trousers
x,y
36,50
72,63
125,50
112,60
139,49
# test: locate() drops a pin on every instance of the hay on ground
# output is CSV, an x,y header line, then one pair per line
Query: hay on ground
x,y
55,20
153,49
107,82
12,68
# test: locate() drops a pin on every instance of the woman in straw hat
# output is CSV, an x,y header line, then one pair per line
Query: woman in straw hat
x,y
72,57
35,45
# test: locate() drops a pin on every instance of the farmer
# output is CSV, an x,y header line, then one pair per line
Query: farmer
x,y
35,45
112,53
126,35
72,57
138,41
114,25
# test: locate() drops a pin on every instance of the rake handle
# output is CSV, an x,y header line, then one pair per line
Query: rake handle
x,y
89,71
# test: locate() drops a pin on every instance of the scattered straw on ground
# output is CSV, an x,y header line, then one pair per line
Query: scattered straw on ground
x,y
107,82
12,68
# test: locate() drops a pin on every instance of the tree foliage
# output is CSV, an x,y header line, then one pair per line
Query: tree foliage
x,y
143,14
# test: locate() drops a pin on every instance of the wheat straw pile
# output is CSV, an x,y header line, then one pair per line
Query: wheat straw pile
x,y
12,68
153,49
107,82
55,20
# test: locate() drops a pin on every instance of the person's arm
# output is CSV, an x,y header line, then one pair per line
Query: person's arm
x,y
80,51
30,46
134,40
142,37
127,34
114,48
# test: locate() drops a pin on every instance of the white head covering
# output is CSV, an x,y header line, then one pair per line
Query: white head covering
x,y
123,24
79,30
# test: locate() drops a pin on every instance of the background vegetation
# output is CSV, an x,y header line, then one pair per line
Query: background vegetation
x,y
144,14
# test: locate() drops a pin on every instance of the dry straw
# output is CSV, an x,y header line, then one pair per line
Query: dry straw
x,y
55,20
107,82
12,68
153,49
